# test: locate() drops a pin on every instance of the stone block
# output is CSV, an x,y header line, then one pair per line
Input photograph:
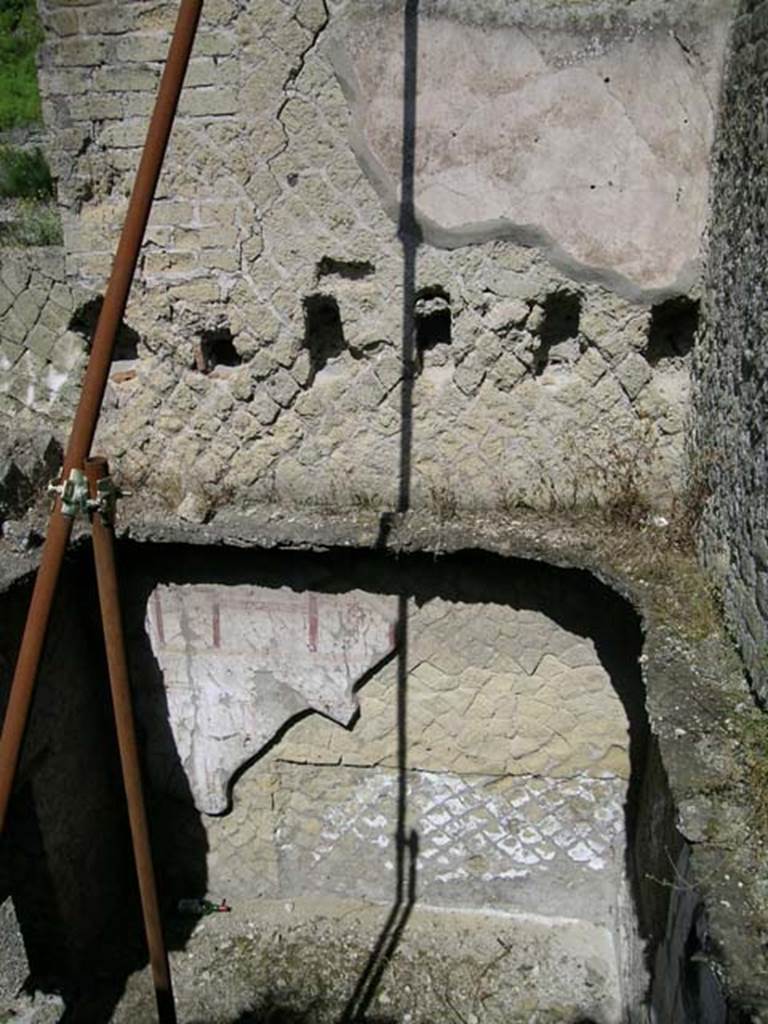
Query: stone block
x,y
469,375
14,272
218,237
41,341
62,22
208,102
227,260
124,135
634,373
202,290
139,104
126,78
92,107
68,352
13,329
312,14
215,44
264,409
10,354
215,213
282,388
502,316
65,83
54,316
79,52
172,262
106,19
201,71
141,47
172,213
6,298
508,371
591,366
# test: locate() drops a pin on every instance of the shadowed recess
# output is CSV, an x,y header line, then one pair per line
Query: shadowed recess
x,y
323,330
432,319
351,270
672,333
562,313
84,321
216,348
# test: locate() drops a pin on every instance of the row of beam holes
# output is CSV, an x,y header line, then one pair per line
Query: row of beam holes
x,y
672,331
673,328
215,347
324,331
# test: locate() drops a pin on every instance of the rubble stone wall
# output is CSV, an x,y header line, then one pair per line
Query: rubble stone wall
x,y
553,302
731,369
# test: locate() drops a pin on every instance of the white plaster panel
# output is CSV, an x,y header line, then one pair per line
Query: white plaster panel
x,y
240,661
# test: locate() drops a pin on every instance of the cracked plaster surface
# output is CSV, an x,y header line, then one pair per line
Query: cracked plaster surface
x,y
593,146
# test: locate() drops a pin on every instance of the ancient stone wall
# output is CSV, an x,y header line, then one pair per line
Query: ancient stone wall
x,y
514,196
731,368
40,359
548,286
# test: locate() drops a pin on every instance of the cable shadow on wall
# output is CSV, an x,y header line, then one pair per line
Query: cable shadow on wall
x,y
406,839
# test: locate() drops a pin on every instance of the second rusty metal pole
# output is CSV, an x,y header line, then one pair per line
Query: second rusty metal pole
x,y
96,469
86,417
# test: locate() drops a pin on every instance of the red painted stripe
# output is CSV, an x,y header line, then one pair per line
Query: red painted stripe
x,y
216,625
158,616
314,623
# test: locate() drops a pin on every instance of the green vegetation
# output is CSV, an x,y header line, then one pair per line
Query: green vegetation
x,y
25,179
24,174
34,223
20,36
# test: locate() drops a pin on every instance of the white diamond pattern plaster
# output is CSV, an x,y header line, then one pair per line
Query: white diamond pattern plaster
x,y
483,841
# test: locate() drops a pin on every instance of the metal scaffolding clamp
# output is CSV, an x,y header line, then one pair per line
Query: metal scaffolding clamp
x,y
75,499
105,502
73,493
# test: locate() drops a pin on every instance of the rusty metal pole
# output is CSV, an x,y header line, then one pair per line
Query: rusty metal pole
x,y
86,417
96,469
